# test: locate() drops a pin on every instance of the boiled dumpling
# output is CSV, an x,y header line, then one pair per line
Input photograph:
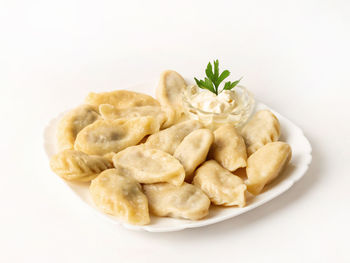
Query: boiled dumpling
x,y
120,196
121,99
72,123
77,166
221,186
266,164
228,148
110,112
263,128
105,136
150,165
169,139
169,93
184,201
193,150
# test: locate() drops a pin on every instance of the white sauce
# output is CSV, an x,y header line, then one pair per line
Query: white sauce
x,y
208,101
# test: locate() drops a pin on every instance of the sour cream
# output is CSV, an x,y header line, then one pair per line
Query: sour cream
x,y
208,101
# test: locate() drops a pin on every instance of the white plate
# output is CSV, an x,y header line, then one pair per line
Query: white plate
x,y
300,161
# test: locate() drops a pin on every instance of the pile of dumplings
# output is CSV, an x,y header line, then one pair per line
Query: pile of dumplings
x,y
145,155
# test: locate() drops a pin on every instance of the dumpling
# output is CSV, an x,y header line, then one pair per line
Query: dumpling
x,y
221,186
184,201
193,150
120,196
72,123
228,148
169,139
149,165
169,93
121,99
263,128
77,166
110,112
266,164
105,136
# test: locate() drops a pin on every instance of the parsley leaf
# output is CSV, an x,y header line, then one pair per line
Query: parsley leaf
x,y
223,76
205,84
229,85
214,79
209,72
216,68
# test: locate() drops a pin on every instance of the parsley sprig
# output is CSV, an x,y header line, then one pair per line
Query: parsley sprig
x,y
213,79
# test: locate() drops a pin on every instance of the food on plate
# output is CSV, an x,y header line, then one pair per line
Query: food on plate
x,y
72,123
105,136
184,201
110,112
169,139
150,165
169,93
261,129
120,196
193,150
175,155
74,165
220,185
121,99
266,164
229,148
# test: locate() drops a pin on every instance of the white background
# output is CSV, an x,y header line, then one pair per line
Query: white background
x,y
294,55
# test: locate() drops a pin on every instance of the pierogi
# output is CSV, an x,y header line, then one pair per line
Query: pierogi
x,y
168,140
110,112
72,123
73,165
120,196
105,136
121,99
150,165
229,148
220,185
184,201
263,128
193,150
169,93
121,139
266,164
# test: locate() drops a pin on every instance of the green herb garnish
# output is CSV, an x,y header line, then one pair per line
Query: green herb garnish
x,y
213,79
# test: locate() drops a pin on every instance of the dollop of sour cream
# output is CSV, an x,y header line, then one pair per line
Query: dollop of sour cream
x,y
208,101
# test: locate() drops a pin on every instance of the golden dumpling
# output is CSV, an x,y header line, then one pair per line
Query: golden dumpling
x,y
221,186
120,196
184,201
266,164
105,136
169,93
228,148
121,99
193,150
72,123
150,165
77,166
261,129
